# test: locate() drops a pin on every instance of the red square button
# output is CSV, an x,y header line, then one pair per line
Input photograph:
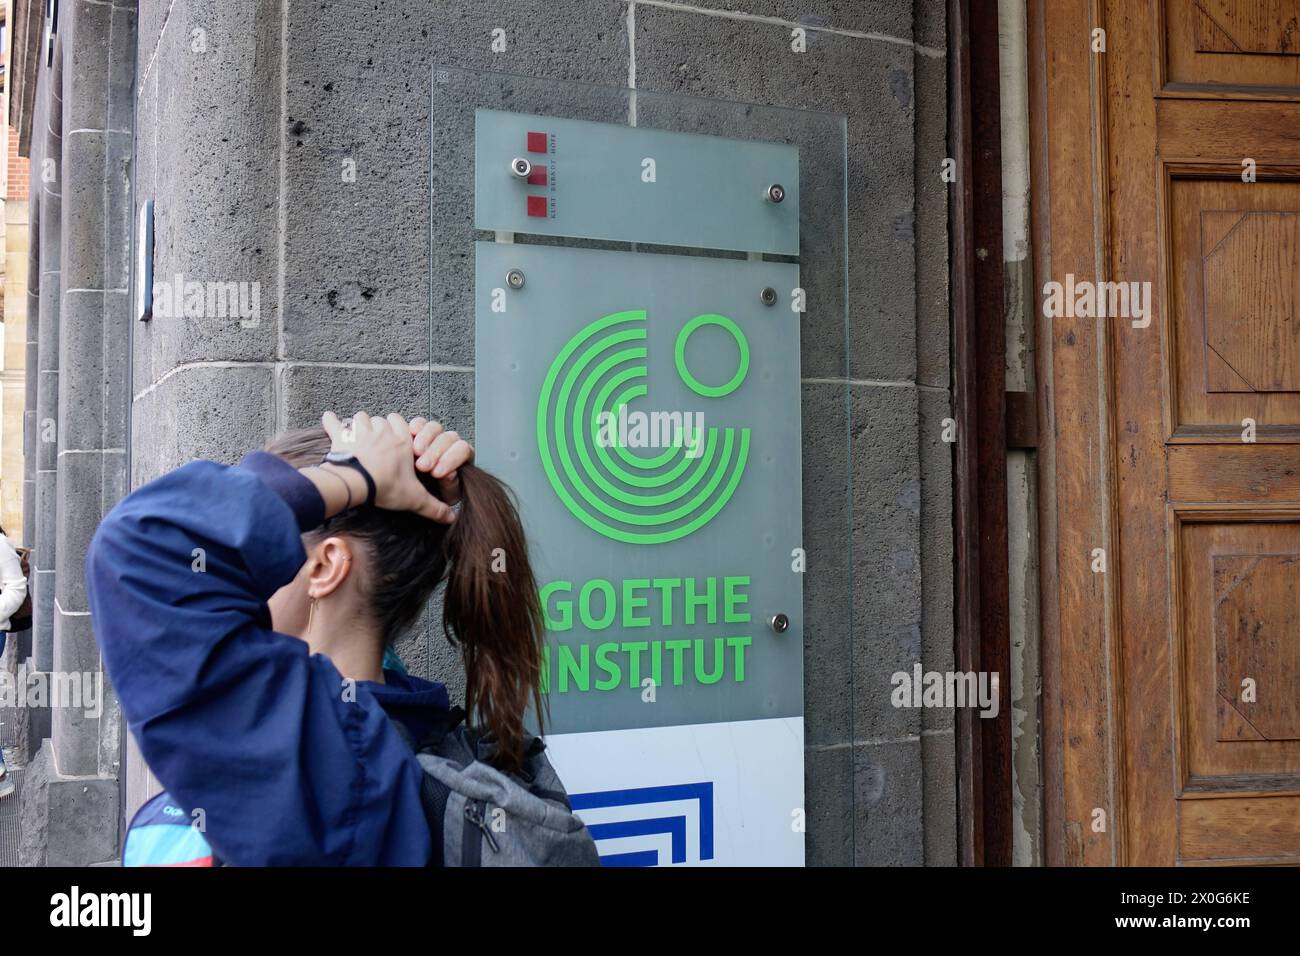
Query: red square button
x,y
536,142
537,205
538,176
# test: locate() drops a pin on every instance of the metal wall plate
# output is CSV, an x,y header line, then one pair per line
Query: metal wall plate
x,y
143,273
606,181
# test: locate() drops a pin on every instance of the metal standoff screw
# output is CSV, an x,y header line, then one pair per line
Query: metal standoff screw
x,y
775,193
768,296
515,279
522,168
779,623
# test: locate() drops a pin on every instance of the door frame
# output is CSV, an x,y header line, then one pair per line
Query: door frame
x,y
986,814
1078,508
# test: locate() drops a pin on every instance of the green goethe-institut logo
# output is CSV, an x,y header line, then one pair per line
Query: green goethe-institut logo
x,y
623,495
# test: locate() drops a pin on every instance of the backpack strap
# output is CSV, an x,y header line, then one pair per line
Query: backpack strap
x,y
433,793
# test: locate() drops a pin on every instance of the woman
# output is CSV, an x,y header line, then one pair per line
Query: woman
x,y
13,591
243,614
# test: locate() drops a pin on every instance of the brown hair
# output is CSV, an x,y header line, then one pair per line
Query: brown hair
x,y
494,616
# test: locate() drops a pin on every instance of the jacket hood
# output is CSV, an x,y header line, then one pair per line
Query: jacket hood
x,y
412,701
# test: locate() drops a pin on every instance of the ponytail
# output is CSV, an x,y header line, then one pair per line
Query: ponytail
x,y
492,611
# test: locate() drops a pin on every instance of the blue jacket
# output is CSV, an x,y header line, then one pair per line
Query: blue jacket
x,y
233,718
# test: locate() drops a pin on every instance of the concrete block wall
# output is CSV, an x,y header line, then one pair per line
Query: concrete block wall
x,y
245,116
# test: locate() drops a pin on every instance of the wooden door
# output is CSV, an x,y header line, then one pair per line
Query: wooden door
x,y
1173,158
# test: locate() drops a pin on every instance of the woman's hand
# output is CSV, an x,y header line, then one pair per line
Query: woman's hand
x,y
383,447
441,453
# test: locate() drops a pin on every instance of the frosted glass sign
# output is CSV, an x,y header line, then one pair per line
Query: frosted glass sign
x,y
646,410
561,177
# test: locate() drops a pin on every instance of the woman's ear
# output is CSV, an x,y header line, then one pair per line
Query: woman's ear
x,y
329,565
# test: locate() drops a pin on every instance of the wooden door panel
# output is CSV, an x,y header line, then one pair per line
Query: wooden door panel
x,y
1230,47
1247,829
1263,131
1245,26
1238,680
1255,626
1261,474
1249,274
1234,305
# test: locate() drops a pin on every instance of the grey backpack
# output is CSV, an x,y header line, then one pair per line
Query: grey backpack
x,y
481,816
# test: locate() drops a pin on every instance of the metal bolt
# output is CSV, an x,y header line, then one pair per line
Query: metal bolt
x,y
768,296
779,623
775,193
522,168
515,279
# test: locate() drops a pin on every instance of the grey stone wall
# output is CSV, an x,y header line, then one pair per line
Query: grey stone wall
x,y
934,387
81,153
244,115
47,158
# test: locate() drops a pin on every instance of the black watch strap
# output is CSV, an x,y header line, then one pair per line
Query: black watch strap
x,y
348,460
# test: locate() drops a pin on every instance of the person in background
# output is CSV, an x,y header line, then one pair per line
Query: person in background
x,y
13,591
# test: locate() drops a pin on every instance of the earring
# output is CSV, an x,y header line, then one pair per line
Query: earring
x,y
311,614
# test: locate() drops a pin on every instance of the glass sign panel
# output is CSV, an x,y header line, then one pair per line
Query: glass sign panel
x,y
562,177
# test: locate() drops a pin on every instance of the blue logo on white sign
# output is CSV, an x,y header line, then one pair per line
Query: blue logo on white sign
x,y
642,821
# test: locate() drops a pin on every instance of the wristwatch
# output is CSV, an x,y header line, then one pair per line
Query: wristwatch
x,y
349,460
